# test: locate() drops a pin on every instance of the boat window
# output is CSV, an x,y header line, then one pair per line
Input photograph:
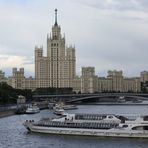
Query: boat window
x,y
125,125
140,128
145,127
103,117
110,117
145,118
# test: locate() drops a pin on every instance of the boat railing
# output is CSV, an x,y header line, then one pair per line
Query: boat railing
x,y
94,125
89,117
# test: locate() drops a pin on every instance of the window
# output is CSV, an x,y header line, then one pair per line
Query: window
x,y
125,125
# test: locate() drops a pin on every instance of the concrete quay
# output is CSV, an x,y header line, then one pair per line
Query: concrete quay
x,y
5,113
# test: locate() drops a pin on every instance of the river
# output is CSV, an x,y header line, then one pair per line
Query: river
x,y
14,135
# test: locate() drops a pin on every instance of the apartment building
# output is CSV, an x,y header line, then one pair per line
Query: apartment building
x,y
57,69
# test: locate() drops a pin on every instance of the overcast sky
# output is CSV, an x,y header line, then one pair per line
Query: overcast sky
x,y
107,34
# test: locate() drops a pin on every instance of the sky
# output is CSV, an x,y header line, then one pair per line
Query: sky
x,y
107,34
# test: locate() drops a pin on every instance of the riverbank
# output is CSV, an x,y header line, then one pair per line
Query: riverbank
x,y
6,113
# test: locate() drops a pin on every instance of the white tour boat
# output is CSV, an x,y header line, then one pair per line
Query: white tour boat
x,y
65,106
59,111
32,109
92,125
69,107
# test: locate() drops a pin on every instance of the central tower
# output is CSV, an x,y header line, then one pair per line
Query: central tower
x,y
58,68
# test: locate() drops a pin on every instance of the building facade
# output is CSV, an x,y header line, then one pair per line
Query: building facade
x,y
18,78
57,69
105,84
19,81
116,79
114,82
77,85
131,85
88,80
144,76
29,83
144,81
2,76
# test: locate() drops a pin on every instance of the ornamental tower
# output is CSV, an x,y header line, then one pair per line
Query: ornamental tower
x,y
58,68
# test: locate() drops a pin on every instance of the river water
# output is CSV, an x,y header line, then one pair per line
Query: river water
x,y
14,135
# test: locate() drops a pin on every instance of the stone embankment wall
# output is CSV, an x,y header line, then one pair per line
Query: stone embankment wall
x,y
5,113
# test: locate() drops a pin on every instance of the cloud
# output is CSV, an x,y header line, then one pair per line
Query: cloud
x,y
8,62
127,9
116,4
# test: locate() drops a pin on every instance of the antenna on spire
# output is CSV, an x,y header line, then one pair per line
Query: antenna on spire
x,y
56,16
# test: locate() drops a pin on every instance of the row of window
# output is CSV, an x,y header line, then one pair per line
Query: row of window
x,y
54,44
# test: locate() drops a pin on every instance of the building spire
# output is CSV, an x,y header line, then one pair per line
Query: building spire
x,y
56,16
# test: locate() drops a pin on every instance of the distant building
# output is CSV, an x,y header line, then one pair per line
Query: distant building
x,y
131,85
58,68
105,84
17,79
77,84
144,76
89,81
116,78
2,76
144,81
30,83
115,82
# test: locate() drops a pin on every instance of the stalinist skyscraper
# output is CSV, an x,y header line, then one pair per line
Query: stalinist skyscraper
x,y
58,68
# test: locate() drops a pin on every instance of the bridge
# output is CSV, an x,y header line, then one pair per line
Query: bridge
x,y
105,98
72,98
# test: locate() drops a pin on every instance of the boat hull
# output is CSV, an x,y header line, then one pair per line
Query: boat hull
x,y
32,112
89,132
